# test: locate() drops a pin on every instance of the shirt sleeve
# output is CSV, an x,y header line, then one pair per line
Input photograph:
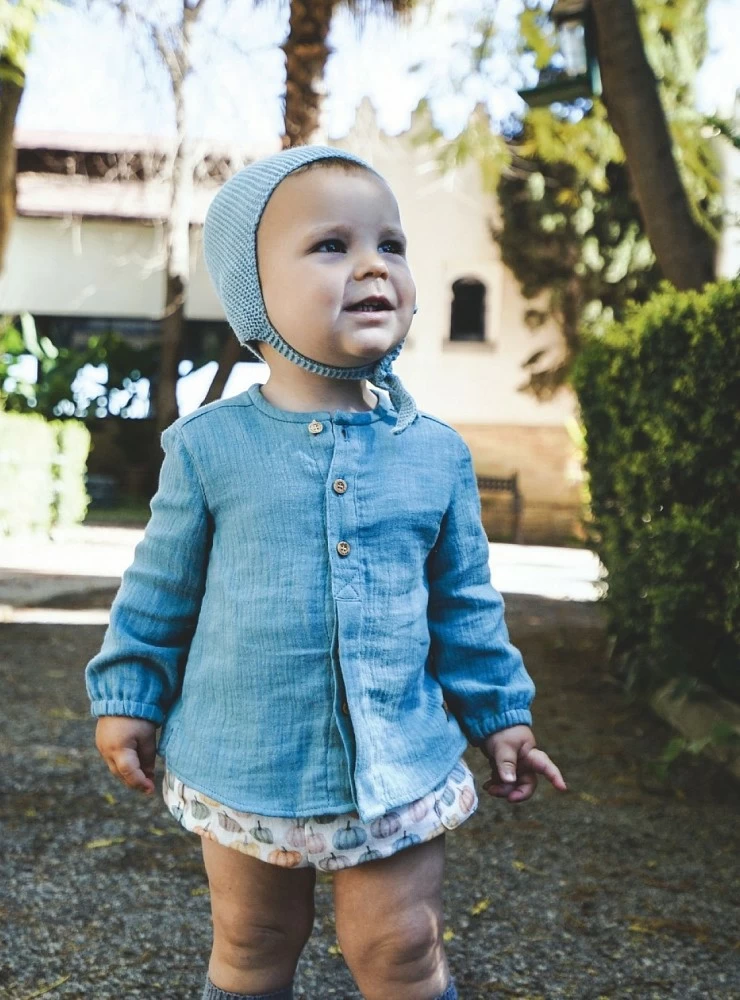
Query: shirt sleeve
x,y
482,674
138,670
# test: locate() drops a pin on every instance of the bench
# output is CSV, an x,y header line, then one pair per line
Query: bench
x,y
510,485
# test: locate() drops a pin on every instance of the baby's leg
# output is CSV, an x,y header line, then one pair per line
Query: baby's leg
x,y
262,918
389,923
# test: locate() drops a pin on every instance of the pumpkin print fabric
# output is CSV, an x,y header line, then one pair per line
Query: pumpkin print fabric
x,y
328,842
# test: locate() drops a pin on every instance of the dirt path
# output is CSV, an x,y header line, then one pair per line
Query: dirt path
x,y
627,886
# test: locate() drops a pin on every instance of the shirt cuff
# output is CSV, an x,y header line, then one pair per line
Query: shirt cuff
x,y
479,730
135,709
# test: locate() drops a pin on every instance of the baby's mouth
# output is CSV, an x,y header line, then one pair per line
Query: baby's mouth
x,y
372,303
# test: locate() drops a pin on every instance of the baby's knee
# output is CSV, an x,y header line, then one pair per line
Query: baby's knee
x,y
250,938
406,946
414,939
254,944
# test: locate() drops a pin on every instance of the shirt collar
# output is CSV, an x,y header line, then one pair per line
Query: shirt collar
x,y
381,411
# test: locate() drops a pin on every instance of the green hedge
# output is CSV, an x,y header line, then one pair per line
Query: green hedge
x,y
660,401
42,470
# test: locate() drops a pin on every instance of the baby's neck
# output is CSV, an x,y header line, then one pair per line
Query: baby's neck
x,y
353,397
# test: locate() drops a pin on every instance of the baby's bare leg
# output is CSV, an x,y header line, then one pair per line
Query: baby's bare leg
x,y
389,923
262,918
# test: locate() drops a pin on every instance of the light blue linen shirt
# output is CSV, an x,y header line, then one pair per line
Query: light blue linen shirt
x,y
309,614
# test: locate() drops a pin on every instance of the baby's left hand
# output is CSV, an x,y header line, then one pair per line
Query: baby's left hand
x,y
516,761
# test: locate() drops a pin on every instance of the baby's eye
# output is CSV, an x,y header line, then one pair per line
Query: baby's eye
x,y
333,245
397,246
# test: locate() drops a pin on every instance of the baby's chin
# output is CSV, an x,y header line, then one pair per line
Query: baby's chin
x,y
364,347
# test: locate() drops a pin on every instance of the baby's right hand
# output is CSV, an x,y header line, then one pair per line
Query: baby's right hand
x,y
128,747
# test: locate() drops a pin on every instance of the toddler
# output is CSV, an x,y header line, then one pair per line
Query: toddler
x,y
309,616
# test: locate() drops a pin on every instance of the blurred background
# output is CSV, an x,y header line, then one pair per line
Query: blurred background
x,y
568,176
528,229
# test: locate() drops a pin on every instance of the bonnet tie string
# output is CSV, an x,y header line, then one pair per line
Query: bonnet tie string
x,y
402,400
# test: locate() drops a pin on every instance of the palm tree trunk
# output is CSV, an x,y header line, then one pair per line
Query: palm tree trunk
x,y
306,55
684,251
10,99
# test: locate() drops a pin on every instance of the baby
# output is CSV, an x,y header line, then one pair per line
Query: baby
x,y
309,615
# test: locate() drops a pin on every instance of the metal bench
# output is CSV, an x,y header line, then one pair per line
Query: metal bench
x,y
510,485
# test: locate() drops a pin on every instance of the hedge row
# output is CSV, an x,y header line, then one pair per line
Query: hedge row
x,y
42,472
660,400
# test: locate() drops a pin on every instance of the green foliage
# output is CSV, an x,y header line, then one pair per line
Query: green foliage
x,y
570,229
580,254
674,34
70,496
42,466
658,396
17,23
54,393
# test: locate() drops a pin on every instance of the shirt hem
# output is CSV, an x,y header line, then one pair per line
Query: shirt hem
x,y
324,809
317,810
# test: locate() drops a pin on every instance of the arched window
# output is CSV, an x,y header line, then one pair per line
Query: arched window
x,y
468,314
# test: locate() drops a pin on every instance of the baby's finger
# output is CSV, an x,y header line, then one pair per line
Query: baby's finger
x,y
538,761
500,789
126,767
525,789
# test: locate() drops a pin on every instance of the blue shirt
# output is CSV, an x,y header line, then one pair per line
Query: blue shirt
x,y
309,614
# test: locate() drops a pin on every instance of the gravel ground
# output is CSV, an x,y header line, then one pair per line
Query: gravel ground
x,y
627,886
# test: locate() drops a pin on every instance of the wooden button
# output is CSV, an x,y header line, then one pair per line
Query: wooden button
x,y
345,708
343,548
315,427
340,486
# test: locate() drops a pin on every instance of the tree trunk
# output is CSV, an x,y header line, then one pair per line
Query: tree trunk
x,y
230,354
170,351
684,251
306,54
177,225
10,99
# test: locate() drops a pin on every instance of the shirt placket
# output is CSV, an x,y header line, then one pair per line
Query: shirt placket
x,y
344,561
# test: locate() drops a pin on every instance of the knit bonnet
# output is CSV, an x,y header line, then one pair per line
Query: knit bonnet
x,y
230,248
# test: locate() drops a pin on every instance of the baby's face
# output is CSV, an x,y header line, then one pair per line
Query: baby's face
x,y
328,239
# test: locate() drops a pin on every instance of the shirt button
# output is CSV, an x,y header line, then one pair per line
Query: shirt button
x,y
340,486
345,708
315,427
444,706
343,548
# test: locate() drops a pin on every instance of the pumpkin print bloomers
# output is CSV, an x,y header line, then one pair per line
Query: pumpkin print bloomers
x,y
309,615
329,842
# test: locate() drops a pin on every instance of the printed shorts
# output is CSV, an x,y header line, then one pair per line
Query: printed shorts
x,y
328,842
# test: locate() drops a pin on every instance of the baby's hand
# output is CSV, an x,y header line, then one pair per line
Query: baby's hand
x,y
516,760
128,747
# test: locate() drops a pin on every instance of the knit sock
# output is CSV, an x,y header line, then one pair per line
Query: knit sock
x,y
212,992
450,993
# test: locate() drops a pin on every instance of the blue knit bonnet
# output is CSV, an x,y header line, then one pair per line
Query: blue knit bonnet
x,y
230,248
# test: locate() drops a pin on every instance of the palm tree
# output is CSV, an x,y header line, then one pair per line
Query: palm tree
x,y
306,54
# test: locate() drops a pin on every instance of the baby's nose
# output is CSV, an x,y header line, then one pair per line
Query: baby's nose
x,y
372,264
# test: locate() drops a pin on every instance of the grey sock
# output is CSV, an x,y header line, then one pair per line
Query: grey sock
x,y
212,992
450,993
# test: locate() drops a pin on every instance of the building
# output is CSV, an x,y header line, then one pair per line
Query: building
x,y
86,253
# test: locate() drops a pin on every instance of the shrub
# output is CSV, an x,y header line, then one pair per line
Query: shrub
x,y
659,397
42,473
